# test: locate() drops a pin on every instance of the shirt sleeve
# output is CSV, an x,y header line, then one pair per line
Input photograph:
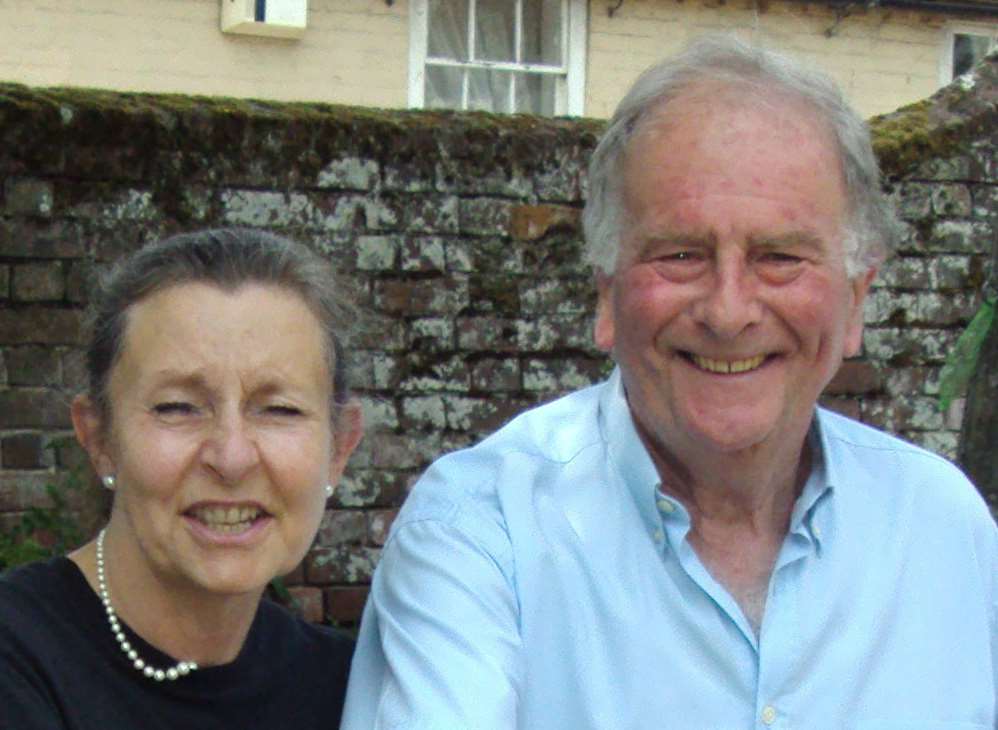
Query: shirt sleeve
x,y
439,646
24,704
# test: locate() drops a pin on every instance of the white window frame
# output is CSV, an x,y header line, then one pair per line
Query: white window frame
x,y
952,30
571,92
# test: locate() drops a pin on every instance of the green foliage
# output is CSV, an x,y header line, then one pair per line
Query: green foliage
x,y
44,532
962,361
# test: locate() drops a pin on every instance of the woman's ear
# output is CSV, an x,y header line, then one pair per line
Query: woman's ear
x,y
89,427
348,428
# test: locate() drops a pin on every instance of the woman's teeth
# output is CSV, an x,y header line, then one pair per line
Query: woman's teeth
x,y
226,519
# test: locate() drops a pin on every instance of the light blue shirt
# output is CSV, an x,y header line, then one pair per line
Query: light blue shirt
x,y
541,580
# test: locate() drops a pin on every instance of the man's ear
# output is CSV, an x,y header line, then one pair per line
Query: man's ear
x,y
854,330
603,329
89,426
348,429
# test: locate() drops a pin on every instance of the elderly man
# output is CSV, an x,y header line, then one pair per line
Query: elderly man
x,y
693,543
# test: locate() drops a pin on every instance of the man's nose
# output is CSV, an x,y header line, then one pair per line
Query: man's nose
x,y
730,303
230,451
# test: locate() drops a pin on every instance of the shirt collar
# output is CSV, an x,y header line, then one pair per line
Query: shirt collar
x,y
635,466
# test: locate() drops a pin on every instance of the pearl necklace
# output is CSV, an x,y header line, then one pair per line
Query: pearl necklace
x,y
175,672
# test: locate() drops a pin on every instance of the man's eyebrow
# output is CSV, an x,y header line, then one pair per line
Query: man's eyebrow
x,y
669,238
794,239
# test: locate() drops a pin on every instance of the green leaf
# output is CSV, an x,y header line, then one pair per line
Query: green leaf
x,y
960,364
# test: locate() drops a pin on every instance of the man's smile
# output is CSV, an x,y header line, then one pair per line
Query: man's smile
x,y
726,366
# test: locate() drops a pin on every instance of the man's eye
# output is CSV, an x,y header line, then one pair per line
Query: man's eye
x,y
282,410
682,256
175,408
777,257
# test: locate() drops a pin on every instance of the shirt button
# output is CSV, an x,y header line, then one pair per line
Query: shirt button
x,y
658,535
768,714
816,530
666,506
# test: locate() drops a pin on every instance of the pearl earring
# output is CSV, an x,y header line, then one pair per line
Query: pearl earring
x,y
109,481
329,490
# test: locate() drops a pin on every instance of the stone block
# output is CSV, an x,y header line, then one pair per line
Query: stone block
x,y
960,237
74,370
4,281
33,408
431,334
492,293
947,271
341,527
944,443
985,199
431,374
483,415
379,522
306,602
555,331
906,413
38,282
562,375
381,213
77,282
263,208
377,253
855,377
425,254
39,325
26,196
370,488
487,334
34,365
345,604
905,272
387,450
349,173
341,564
432,215
532,222
955,168
20,490
913,200
558,296
485,216
439,295
423,411
24,451
496,375
951,200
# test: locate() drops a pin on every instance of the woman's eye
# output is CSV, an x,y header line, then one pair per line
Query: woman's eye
x,y
174,408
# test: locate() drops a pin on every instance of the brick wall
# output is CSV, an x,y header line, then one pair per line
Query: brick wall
x,y
462,234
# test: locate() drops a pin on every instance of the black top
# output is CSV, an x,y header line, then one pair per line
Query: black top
x,y
61,668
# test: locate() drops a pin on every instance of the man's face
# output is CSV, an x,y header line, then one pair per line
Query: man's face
x,y
730,309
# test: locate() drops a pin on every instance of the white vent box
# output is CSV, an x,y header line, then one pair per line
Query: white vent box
x,y
274,18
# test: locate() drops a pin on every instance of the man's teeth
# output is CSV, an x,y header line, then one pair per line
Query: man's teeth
x,y
227,519
728,366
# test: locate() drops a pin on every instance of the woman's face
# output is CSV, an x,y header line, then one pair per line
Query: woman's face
x,y
221,437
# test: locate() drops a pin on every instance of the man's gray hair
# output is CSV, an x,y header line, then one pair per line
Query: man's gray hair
x,y
870,228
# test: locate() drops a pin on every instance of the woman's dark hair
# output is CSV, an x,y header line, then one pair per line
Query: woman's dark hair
x,y
227,258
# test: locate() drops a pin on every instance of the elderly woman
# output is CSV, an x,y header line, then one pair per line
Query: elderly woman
x,y
219,414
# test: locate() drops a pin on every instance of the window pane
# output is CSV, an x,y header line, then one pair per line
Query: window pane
x,y
541,36
489,90
967,51
443,87
448,29
535,94
494,26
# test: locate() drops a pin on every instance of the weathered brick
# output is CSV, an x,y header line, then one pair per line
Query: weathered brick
x,y
487,334
4,281
48,239
431,334
77,281
424,411
914,200
74,372
340,564
306,602
484,216
25,196
427,253
951,200
907,412
532,222
956,168
554,331
349,173
34,365
855,377
33,408
20,490
943,443
341,527
560,296
985,199
24,451
496,375
905,272
344,605
38,282
951,271
379,522
370,488
960,237
388,450
39,325
433,374
433,215
561,375
849,407
421,296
